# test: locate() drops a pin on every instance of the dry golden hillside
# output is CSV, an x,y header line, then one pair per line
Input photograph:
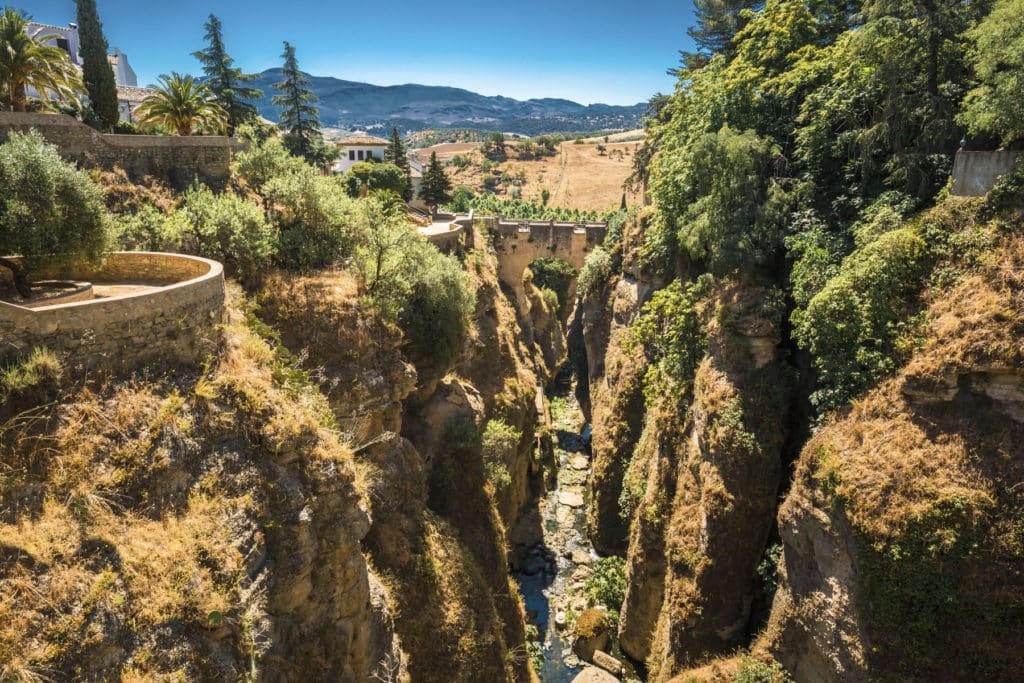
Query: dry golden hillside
x,y
579,176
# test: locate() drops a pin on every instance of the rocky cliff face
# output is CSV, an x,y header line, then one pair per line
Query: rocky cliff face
x,y
195,526
902,547
443,608
709,482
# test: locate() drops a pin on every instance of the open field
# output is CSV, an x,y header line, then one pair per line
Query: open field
x,y
578,176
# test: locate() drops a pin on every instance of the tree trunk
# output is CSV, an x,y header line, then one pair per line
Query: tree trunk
x,y
20,279
19,98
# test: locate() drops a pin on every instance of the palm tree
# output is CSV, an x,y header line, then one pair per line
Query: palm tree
x,y
184,105
26,61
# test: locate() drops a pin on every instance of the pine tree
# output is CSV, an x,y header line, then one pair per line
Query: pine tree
x,y
395,153
224,79
436,184
299,115
96,71
718,21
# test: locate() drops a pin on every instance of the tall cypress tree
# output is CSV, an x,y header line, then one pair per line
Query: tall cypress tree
x,y
96,71
436,184
224,79
395,153
299,116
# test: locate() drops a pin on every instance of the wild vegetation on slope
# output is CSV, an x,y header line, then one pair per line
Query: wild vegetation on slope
x,y
800,163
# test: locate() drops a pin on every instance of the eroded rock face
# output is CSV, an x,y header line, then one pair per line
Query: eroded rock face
x,y
617,408
709,479
814,628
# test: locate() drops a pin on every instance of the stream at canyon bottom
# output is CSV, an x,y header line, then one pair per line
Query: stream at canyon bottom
x,y
552,574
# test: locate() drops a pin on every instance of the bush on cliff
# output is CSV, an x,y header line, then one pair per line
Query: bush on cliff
x,y
47,208
230,229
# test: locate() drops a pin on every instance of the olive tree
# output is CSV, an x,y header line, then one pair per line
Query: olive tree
x,y
48,208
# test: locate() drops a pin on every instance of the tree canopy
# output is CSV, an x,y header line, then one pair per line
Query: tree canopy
x,y
996,104
299,114
226,81
47,208
183,105
437,186
27,61
96,70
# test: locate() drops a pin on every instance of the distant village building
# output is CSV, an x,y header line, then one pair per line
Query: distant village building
x,y
129,95
128,98
123,72
359,148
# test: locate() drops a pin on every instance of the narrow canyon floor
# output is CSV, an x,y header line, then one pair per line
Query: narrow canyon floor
x,y
552,571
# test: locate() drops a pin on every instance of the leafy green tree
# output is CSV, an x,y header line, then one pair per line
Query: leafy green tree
x,y
299,116
265,160
364,178
183,105
996,105
461,198
317,221
720,195
494,148
226,81
436,184
717,22
47,208
96,70
231,229
396,153
26,61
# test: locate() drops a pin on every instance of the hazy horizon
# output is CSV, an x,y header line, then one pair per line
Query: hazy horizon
x,y
597,52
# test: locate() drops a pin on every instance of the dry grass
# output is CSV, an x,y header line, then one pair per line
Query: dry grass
x,y
578,176
120,551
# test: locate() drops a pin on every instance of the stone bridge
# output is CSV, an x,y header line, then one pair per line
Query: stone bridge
x,y
519,243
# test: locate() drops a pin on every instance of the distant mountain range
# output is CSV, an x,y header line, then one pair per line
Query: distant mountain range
x,y
411,107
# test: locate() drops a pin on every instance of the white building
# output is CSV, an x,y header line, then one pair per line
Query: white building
x,y
66,38
359,148
123,72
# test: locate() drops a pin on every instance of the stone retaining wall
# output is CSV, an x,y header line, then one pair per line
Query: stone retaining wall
x,y
976,173
175,159
178,323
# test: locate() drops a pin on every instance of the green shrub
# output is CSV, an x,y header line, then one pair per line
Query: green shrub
x,y
606,586
230,229
554,274
850,326
550,298
315,216
756,671
47,206
410,282
435,315
366,177
150,229
596,272
31,380
671,332
264,161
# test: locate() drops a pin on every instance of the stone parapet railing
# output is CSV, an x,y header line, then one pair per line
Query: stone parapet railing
x,y
177,321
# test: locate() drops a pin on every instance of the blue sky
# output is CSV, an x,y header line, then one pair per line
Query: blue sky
x,y
583,50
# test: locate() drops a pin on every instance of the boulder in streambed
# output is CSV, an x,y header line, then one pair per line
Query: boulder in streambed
x,y
593,631
594,675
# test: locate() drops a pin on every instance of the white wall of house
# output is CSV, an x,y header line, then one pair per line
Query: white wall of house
x,y
66,37
123,73
353,154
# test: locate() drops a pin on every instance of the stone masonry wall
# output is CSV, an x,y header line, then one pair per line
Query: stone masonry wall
x,y
976,173
175,159
179,323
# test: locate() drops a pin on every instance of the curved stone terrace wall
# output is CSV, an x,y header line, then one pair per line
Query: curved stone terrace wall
x,y
178,322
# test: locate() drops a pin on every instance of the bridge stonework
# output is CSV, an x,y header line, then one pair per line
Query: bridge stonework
x,y
518,243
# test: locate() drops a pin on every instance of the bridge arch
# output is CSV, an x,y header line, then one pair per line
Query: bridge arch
x,y
519,243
